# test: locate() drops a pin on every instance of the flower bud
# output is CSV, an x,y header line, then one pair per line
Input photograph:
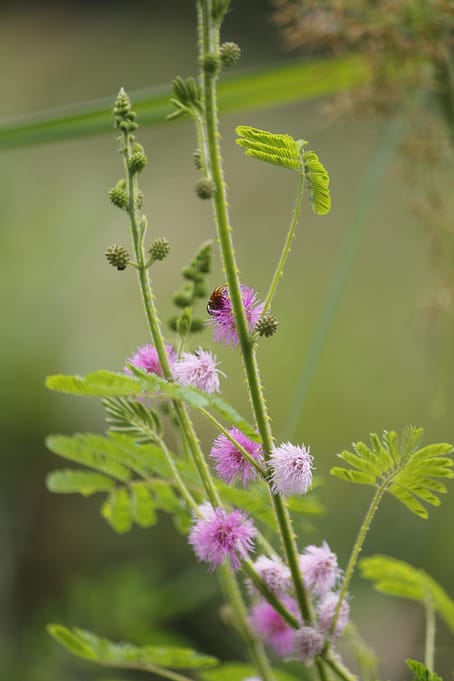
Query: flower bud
x,y
211,64
197,158
230,53
183,298
137,162
267,325
205,188
118,195
117,256
159,249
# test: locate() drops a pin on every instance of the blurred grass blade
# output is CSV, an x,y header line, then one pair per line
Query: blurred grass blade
x,y
266,87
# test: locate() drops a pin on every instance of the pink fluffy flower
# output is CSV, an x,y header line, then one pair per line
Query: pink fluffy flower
x,y
230,462
274,573
199,369
307,643
146,357
319,567
326,609
222,317
272,628
218,535
291,468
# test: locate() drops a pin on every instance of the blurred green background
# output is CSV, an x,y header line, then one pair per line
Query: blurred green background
x,y
386,362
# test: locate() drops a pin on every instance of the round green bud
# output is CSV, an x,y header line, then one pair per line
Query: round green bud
x,y
119,196
200,290
182,298
205,188
189,272
211,63
159,249
197,158
137,162
230,53
197,325
267,325
117,256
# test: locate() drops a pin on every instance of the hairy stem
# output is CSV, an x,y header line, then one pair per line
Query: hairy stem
x,y
287,246
210,41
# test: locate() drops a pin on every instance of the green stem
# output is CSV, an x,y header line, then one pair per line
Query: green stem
x,y
185,493
358,546
429,647
287,246
138,233
256,650
339,669
269,595
209,43
320,669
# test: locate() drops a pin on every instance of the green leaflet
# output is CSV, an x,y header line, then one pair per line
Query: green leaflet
x,y
398,578
239,671
421,673
146,658
107,384
283,150
115,461
395,462
270,86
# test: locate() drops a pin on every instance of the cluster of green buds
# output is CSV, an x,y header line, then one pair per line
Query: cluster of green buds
x,y
194,288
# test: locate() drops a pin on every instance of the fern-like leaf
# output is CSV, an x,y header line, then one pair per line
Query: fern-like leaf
x,y
281,150
317,179
421,673
400,467
155,659
398,578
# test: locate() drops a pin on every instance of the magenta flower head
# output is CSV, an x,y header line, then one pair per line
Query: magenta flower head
x,y
307,643
291,469
146,357
199,369
273,572
271,627
222,317
326,609
218,535
230,462
318,565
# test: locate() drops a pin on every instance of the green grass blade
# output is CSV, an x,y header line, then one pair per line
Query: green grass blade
x,y
256,89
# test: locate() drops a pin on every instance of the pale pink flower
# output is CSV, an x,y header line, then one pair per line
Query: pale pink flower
x,y
218,535
307,643
326,609
146,357
199,369
319,567
291,468
230,462
273,572
271,627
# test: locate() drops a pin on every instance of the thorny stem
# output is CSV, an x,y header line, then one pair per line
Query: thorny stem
x,y
210,42
340,670
185,493
358,546
287,246
138,232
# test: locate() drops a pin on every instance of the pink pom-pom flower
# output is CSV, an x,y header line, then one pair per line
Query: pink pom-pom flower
x,y
273,572
291,468
272,628
146,357
230,462
219,534
199,369
319,567
222,317
326,610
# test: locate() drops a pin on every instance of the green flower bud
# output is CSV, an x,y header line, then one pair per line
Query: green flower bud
x,y
267,325
184,322
189,272
200,290
118,195
197,158
122,104
183,298
205,188
159,249
137,162
211,64
117,256
230,53
197,325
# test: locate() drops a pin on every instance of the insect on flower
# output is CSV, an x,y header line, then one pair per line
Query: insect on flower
x,y
215,301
